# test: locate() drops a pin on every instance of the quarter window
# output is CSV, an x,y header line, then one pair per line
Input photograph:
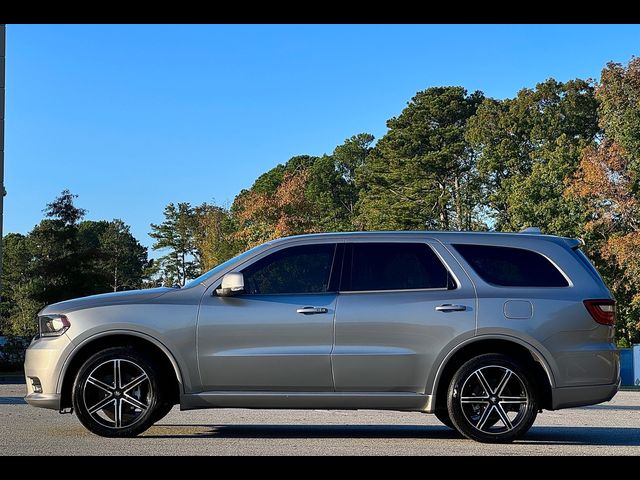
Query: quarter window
x,y
511,267
394,266
301,269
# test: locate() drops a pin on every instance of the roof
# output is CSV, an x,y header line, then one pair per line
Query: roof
x,y
441,235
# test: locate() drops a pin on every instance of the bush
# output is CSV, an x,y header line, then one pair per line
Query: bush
x,y
623,343
12,352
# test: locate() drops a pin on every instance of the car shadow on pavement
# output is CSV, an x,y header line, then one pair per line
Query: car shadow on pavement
x,y
612,407
11,380
12,401
544,435
301,431
586,435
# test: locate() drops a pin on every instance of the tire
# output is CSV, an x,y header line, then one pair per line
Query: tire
x,y
443,416
162,411
492,400
123,408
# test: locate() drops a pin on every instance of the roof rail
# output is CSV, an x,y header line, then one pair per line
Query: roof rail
x,y
531,230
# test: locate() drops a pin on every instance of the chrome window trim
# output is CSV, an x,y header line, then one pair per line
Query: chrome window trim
x,y
399,290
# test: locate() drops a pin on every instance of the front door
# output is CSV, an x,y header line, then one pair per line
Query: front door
x,y
399,306
278,335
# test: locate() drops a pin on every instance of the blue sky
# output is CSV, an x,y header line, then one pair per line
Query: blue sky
x,y
134,117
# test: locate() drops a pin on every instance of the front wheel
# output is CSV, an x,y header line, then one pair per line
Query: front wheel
x,y
491,399
116,393
443,416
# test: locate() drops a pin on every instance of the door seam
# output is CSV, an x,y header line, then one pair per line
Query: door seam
x,y
333,342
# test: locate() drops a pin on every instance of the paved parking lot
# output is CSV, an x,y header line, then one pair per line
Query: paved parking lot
x,y
611,428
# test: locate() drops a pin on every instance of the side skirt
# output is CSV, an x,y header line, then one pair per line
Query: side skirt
x,y
411,402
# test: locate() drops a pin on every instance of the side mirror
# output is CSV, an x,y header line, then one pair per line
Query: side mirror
x,y
232,284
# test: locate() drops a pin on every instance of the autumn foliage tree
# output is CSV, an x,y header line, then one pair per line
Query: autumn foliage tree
x,y
214,234
265,215
608,184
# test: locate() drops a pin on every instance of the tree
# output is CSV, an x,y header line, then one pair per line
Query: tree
x,y
177,235
62,258
18,308
22,316
57,261
607,183
214,236
348,159
112,257
63,208
421,174
123,256
264,215
619,105
528,147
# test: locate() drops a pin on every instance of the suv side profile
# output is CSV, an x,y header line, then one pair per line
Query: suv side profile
x,y
484,330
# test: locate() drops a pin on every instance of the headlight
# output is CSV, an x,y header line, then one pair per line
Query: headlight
x,y
53,325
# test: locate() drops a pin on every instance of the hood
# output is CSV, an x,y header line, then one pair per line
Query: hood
x,y
104,299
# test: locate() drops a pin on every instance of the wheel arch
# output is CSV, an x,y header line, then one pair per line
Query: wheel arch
x,y
543,374
114,338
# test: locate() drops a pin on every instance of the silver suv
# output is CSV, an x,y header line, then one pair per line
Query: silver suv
x,y
482,329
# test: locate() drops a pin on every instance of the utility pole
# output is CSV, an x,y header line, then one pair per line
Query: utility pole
x,y
2,190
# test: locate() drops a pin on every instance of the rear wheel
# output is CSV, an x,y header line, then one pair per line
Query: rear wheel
x,y
492,400
116,393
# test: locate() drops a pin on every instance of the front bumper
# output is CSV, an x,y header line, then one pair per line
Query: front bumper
x,y
44,400
567,397
43,361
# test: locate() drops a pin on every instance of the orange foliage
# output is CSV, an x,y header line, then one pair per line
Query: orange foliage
x,y
264,216
624,250
605,182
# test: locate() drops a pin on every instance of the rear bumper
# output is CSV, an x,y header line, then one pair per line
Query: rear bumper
x,y
44,400
567,397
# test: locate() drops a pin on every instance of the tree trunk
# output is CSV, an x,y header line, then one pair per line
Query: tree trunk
x,y
184,271
457,198
444,214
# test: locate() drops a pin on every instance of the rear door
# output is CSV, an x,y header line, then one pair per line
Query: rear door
x,y
400,303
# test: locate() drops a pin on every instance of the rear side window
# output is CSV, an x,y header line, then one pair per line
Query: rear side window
x,y
393,266
511,267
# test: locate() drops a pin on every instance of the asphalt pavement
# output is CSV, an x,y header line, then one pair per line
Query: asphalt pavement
x,y
611,428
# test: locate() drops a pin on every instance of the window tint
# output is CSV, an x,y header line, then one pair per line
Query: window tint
x,y
393,266
511,267
303,269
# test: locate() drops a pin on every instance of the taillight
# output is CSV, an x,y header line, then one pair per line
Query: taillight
x,y
602,311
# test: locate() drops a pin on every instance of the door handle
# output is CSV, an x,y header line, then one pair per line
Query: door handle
x,y
311,310
447,307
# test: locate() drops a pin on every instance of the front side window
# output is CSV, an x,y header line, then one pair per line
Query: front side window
x,y
393,266
511,267
293,270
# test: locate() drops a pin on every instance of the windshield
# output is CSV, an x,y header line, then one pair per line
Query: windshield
x,y
216,270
